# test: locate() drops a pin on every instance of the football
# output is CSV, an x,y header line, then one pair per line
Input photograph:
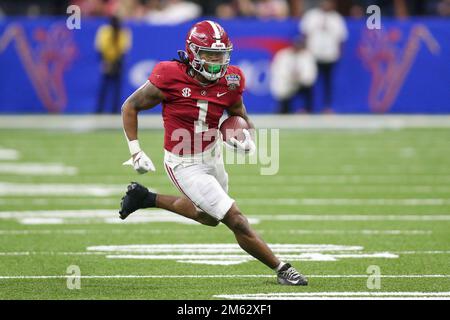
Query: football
x,y
232,127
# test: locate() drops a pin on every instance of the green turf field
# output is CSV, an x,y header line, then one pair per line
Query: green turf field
x,y
342,201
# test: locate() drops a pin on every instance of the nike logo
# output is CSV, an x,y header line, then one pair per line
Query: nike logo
x,y
221,94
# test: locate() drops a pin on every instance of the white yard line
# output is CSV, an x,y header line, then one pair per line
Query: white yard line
x,y
344,202
98,191
53,217
360,189
253,201
20,232
57,189
105,253
38,169
196,276
350,294
358,232
33,217
348,217
9,154
218,248
17,232
60,201
368,178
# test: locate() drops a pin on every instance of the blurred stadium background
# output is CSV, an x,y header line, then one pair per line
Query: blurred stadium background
x,y
378,71
367,173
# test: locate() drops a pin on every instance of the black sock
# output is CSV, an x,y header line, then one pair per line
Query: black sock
x,y
150,200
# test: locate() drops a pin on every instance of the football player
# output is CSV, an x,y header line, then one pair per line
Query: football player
x,y
194,92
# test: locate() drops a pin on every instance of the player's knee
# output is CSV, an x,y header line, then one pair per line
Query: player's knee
x,y
237,222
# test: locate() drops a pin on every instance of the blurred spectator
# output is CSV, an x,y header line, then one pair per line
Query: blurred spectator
x,y
325,32
357,11
94,7
293,72
263,8
112,41
443,8
271,9
34,7
225,11
130,9
138,9
174,12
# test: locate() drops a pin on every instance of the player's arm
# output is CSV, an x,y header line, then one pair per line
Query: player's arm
x,y
144,98
246,146
238,109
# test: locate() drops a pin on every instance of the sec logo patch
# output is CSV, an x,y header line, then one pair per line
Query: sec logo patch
x,y
186,92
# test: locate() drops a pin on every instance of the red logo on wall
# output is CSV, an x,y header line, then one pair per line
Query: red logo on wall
x,y
45,59
389,63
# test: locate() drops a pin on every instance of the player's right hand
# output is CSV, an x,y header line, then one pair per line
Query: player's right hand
x,y
141,162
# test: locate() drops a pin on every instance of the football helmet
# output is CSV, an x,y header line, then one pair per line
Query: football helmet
x,y
208,49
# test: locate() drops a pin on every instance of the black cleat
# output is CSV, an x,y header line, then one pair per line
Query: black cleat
x,y
137,197
289,276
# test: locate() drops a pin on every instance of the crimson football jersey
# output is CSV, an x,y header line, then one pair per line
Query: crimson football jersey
x,y
191,111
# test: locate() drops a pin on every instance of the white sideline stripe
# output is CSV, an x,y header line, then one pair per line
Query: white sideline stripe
x,y
53,217
373,179
99,201
55,189
219,248
105,253
165,231
371,298
254,201
58,201
226,254
213,262
318,217
220,259
196,276
109,216
301,295
38,169
8,154
154,214
361,189
112,191
423,252
346,202
360,232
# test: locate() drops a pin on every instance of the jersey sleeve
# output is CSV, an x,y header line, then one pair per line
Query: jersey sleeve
x,y
239,84
158,77
242,82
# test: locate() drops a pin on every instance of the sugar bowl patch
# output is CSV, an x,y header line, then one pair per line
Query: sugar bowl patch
x,y
233,81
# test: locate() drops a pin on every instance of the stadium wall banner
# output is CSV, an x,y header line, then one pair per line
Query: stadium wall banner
x,y
402,68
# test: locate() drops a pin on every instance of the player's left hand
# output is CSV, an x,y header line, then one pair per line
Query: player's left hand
x,y
246,146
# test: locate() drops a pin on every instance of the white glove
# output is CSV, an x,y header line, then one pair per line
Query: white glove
x,y
141,163
246,146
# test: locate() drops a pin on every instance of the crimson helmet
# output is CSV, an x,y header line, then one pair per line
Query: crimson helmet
x,y
208,49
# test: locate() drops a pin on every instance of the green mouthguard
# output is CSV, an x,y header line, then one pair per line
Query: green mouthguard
x,y
214,68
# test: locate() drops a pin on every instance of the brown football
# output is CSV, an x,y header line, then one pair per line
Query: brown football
x,y
232,127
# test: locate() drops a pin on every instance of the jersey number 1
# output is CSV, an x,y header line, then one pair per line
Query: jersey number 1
x,y
200,124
